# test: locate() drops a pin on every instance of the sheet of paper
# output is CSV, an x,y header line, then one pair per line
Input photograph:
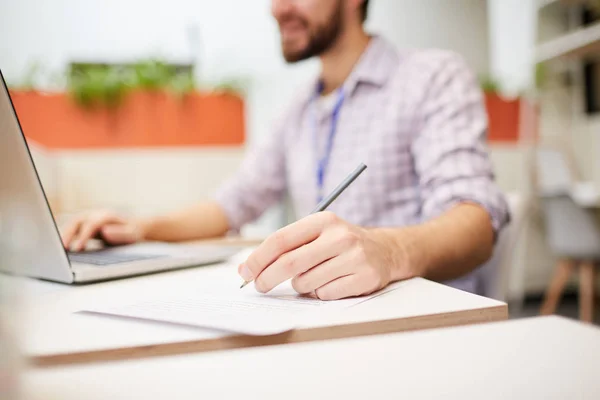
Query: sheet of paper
x,y
245,311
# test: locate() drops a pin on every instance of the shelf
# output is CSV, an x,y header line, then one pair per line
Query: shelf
x,y
575,44
543,3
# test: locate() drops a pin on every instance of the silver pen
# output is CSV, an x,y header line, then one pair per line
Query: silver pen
x,y
323,204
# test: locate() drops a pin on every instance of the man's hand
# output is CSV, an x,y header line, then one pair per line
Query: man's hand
x,y
110,227
328,256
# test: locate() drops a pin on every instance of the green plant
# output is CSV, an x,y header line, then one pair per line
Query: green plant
x,y
106,85
31,76
489,85
232,85
541,73
492,86
182,84
29,79
102,84
95,85
152,74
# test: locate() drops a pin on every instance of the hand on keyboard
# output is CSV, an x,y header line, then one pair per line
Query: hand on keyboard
x,y
106,225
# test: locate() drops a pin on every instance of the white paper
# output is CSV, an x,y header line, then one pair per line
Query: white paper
x,y
245,311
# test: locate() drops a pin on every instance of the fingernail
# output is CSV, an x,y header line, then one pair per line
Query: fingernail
x,y
245,273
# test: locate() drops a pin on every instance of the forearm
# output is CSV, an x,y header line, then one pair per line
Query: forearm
x,y
444,248
201,221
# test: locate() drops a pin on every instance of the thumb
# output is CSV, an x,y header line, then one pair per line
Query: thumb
x,y
120,234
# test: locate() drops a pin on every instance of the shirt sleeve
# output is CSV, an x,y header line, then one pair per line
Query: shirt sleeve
x,y
451,159
259,183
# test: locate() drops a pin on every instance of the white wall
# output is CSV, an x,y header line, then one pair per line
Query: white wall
x,y
48,170
238,37
459,25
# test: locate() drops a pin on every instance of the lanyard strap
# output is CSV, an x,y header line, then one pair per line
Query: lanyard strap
x,y
323,161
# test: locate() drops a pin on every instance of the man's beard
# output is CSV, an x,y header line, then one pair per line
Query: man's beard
x,y
321,40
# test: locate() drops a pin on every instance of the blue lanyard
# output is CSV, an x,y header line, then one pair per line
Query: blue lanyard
x,y
323,161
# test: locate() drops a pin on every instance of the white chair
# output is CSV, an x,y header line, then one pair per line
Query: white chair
x,y
572,233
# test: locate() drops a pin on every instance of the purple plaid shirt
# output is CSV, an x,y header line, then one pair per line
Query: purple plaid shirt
x,y
415,118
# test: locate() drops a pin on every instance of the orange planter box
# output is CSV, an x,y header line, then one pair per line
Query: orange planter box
x,y
144,119
507,122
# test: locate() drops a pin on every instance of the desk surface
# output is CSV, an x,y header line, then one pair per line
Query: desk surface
x,y
55,335
539,358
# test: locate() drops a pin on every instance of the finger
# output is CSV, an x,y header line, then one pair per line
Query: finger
x,y
71,231
341,288
90,228
87,230
119,234
296,262
285,240
322,274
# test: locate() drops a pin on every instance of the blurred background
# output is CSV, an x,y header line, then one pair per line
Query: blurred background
x,y
143,106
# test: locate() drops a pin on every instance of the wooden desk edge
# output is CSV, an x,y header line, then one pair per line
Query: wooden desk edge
x,y
441,320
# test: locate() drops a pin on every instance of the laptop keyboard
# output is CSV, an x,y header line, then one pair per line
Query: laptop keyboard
x,y
108,258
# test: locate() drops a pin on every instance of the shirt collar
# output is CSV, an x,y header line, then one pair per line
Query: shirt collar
x,y
374,67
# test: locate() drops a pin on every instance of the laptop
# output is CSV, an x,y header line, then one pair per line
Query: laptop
x,y
30,243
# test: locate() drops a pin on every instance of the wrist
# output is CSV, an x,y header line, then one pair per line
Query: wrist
x,y
144,228
401,248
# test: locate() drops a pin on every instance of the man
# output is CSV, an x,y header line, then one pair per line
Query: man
x,y
426,206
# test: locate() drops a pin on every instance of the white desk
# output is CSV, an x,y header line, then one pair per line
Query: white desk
x,y
31,288
55,335
540,358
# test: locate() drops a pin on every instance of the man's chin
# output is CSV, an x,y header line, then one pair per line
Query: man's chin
x,y
295,56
